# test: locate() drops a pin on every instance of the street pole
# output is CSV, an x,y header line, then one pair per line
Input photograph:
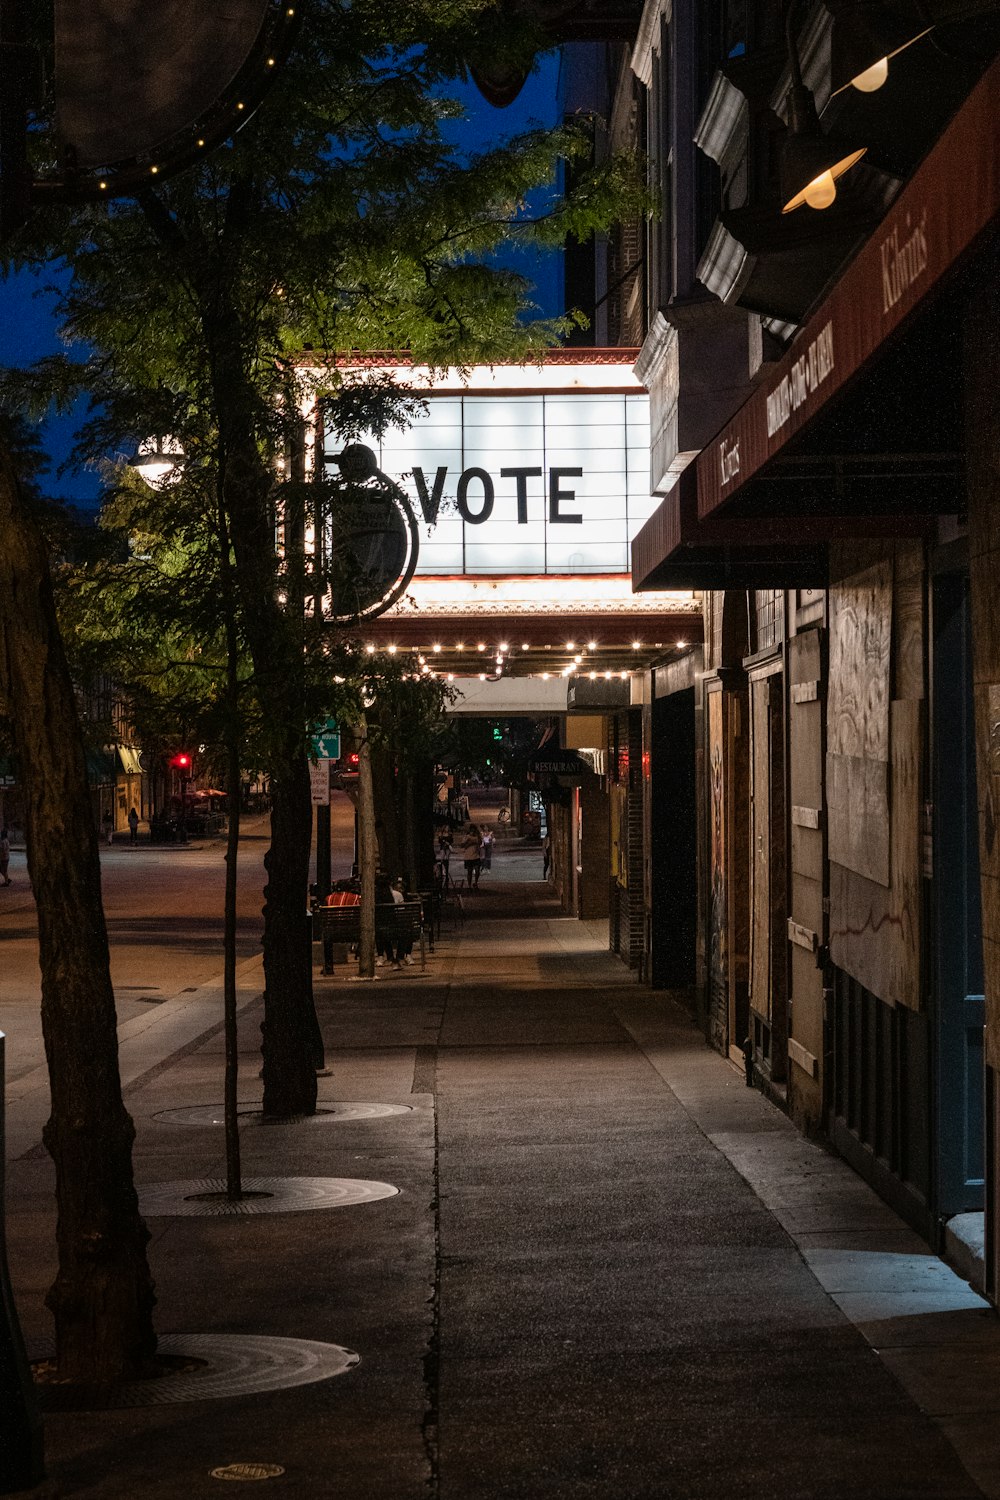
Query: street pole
x,y
22,1463
323,870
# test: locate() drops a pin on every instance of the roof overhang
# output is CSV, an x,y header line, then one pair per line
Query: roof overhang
x,y
936,222
675,549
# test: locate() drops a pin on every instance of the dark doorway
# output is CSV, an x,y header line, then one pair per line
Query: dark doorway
x,y
673,853
957,925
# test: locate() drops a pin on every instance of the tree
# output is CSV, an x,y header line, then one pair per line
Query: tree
x,y
102,1298
339,218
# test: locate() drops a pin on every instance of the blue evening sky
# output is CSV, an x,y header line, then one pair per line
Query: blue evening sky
x,y
28,328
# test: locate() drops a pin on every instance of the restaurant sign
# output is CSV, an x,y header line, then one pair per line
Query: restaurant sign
x,y
950,200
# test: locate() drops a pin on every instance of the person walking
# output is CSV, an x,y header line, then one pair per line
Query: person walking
x,y
108,825
487,848
133,826
469,848
444,858
4,855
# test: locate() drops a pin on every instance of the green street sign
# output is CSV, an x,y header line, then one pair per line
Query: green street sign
x,y
325,742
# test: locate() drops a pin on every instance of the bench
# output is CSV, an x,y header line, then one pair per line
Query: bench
x,y
395,921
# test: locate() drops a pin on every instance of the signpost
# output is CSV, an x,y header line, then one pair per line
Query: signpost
x,y
325,747
319,783
325,742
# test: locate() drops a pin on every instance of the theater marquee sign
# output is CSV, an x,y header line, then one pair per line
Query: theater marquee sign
x,y
526,469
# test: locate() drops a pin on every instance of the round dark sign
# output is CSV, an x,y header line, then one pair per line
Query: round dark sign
x,y
368,540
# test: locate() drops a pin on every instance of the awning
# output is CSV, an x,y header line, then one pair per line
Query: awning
x,y
754,473
128,756
565,766
951,199
677,550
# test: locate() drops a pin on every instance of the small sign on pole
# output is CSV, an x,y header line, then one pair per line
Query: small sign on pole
x,y
325,742
319,783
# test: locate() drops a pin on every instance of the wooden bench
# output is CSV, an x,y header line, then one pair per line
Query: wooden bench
x,y
395,922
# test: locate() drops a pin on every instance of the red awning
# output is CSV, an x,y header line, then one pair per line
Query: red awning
x,y
936,220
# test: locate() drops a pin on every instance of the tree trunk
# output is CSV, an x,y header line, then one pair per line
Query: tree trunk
x,y
289,1019
387,812
367,854
102,1298
274,634
234,1183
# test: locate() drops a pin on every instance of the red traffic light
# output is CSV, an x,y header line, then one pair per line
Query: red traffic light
x,y
354,758
181,761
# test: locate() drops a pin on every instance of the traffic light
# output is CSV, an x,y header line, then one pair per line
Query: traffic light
x,y
497,732
181,761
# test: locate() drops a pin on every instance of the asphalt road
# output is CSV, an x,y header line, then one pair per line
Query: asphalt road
x,y
164,910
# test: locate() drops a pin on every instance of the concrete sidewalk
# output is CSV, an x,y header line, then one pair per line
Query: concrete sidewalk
x,y
610,1268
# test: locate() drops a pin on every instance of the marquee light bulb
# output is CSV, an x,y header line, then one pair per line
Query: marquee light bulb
x,y
370,649
437,645
393,650
821,192
481,646
571,645
636,645
504,647
525,645
591,645
872,78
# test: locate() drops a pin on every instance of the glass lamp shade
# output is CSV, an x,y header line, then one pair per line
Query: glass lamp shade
x,y
865,38
811,162
157,460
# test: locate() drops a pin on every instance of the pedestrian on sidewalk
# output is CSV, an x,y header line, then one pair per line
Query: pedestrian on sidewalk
x,y
469,848
444,857
4,855
133,826
487,848
108,824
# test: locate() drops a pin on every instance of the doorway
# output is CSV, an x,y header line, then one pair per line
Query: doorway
x,y
956,914
674,844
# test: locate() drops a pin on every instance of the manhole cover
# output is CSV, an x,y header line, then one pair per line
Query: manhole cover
x,y
265,1195
210,1366
247,1471
250,1114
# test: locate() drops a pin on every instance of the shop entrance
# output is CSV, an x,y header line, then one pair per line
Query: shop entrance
x,y
957,922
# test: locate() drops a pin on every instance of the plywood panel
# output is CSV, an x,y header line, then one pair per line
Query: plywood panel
x,y
858,722
860,644
908,621
875,930
858,795
718,915
760,857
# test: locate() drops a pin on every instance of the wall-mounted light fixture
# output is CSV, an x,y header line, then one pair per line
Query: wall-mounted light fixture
x,y
867,34
811,160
